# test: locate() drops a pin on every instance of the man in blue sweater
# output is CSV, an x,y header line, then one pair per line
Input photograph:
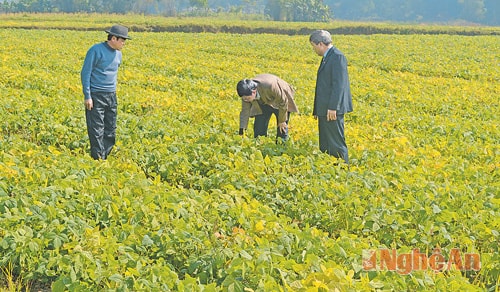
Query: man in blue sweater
x,y
99,78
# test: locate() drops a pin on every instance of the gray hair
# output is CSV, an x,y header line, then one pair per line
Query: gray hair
x,y
320,36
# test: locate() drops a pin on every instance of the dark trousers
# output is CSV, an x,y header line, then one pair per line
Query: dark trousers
x,y
101,124
332,138
261,122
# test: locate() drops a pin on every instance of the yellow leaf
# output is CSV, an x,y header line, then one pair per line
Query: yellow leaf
x,y
259,226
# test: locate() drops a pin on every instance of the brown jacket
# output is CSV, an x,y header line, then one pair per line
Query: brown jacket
x,y
273,91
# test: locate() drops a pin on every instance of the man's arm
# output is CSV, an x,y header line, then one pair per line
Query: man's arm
x,y
244,116
86,72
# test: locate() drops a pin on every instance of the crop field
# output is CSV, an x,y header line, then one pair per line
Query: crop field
x,y
186,204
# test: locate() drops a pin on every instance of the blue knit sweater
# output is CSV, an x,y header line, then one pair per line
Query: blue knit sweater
x,y
100,69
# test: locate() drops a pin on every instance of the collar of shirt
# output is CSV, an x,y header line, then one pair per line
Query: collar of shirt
x,y
326,52
257,95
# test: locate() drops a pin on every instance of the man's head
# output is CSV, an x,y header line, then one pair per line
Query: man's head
x,y
247,89
117,35
320,36
320,40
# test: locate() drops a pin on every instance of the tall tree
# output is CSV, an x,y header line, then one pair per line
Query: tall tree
x,y
200,4
492,12
472,10
297,10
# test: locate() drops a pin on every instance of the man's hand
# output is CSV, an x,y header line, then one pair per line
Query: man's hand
x,y
89,104
331,115
283,127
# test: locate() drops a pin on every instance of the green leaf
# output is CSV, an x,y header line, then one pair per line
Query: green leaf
x,y
245,255
116,278
147,241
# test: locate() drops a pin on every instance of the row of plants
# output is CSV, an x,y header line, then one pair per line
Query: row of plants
x,y
226,23
184,203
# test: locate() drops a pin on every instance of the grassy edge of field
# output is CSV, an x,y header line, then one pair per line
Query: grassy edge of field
x,y
228,23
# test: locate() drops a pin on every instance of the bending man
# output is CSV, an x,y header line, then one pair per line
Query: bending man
x,y
263,96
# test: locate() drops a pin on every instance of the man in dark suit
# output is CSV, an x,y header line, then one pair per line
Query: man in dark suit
x,y
332,97
263,96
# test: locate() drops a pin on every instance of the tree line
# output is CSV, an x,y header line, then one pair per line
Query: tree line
x,y
444,11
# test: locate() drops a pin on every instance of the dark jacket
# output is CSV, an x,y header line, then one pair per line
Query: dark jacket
x,y
332,85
